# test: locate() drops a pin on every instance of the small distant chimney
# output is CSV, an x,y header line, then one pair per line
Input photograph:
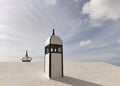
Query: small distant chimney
x,y
26,58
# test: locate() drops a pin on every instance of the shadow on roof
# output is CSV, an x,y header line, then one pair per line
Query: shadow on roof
x,y
75,82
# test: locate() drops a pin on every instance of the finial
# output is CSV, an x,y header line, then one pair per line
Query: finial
x,y
53,32
26,55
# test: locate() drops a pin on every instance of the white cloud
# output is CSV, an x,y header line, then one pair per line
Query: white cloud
x,y
102,9
51,2
85,43
103,46
118,41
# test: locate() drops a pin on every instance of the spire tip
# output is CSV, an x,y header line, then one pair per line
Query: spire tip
x,y
53,31
26,53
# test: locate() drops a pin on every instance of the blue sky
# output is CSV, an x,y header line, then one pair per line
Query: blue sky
x,y
90,29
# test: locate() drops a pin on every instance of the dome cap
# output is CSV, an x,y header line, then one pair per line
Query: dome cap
x,y
53,39
26,56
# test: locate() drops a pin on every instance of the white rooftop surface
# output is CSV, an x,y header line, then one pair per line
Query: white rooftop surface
x,y
76,74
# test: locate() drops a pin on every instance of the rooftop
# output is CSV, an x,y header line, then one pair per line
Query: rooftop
x,y
76,74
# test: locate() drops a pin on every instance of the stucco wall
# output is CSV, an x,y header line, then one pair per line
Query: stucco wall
x,y
47,65
56,68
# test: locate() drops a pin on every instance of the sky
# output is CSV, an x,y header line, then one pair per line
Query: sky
x,y
90,29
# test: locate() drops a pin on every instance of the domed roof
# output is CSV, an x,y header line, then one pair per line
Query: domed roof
x,y
53,40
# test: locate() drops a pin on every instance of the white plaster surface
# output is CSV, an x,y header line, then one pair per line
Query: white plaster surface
x,y
76,74
54,40
26,58
47,65
56,65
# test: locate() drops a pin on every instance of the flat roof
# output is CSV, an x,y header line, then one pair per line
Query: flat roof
x,y
76,74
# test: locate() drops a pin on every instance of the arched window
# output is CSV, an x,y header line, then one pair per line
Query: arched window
x,y
60,49
53,49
